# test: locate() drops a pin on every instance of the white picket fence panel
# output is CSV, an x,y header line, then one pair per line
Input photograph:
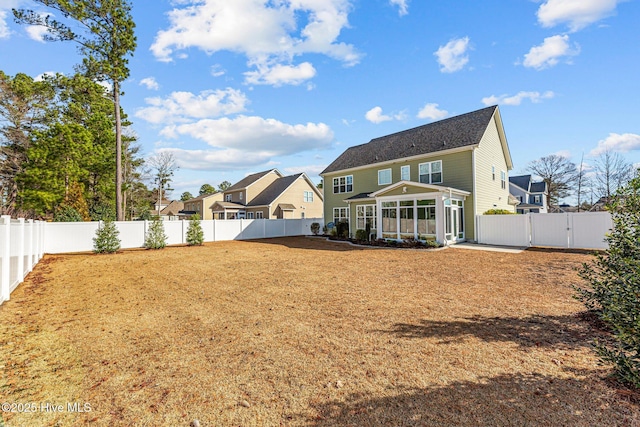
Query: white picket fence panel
x,y
576,230
21,247
23,243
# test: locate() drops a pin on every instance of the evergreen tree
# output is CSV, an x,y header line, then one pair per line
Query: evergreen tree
x,y
106,240
186,196
66,213
207,189
614,285
155,238
195,235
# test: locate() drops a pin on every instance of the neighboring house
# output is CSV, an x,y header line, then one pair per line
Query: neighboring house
x,y
171,211
270,195
162,204
532,196
200,205
425,183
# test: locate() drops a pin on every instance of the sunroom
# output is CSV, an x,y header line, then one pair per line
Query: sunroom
x,y
411,210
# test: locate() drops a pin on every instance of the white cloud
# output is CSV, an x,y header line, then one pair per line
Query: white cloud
x,y
150,83
403,6
247,141
217,70
517,99
278,74
432,112
563,153
453,56
310,170
5,32
375,116
549,52
576,13
36,32
618,143
41,77
268,33
180,107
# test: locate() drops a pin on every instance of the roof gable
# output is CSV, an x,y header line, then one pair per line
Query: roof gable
x,y
250,179
522,181
461,131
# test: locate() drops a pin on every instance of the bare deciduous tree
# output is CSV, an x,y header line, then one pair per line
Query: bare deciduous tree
x,y
612,171
162,165
558,172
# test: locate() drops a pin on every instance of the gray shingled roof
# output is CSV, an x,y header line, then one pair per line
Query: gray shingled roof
x,y
272,192
454,132
538,187
247,181
521,181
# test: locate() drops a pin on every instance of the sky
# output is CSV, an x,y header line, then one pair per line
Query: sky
x,y
237,87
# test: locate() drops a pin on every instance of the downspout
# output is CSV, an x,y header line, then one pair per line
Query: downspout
x,y
475,196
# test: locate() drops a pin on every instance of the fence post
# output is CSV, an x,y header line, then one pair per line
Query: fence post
x,y
5,254
29,248
20,275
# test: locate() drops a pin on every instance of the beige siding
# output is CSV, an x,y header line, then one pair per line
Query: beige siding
x,y
489,193
295,195
257,187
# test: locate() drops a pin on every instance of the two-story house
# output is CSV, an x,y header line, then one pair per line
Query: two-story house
x,y
532,196
201,206
428,182
270,195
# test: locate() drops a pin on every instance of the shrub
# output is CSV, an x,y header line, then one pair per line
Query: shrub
x,y
324,229
315,228
102,212
106,240
155,238
362,235
498,212
195,235
67,214
614,286
342,229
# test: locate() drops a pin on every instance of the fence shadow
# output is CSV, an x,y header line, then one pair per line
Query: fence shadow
x,y
567,331
509,399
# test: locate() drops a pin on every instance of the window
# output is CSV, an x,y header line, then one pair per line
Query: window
x,y
365,215
384,177
308,196
227,197
405,173
240,196
249,215
343,184
259,215
536,200
493,173
221,215
340,214
503,179
430,172
389,220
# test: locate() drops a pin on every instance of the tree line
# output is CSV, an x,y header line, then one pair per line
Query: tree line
x,y
589,184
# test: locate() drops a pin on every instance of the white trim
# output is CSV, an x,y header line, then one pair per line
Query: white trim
x,y
437,188
409,168
475,195
402,160
390,176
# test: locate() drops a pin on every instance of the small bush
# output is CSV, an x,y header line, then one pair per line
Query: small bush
x,y
315,228
324,229
106,240
614,286
498,212
155,238
362,235
195,235
342,229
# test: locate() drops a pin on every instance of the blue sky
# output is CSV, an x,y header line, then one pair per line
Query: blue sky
x,y
236,87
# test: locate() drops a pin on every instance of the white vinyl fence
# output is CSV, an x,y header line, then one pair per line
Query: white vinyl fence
x,y
579,230
21,247
23,243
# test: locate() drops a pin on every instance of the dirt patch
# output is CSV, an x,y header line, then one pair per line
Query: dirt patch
x,y
306,332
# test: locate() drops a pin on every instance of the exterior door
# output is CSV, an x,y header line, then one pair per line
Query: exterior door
x,y
454,220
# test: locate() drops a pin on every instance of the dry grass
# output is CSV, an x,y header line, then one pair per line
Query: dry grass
x,y
306,332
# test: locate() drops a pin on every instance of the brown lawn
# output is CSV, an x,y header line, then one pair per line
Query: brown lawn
x,y
301,331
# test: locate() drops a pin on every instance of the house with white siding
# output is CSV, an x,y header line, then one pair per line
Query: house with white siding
x,y
425,183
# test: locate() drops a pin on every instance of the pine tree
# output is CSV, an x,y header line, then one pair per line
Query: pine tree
x,y
155,238
195,235
106,240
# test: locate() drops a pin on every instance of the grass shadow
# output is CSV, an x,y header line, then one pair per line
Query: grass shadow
x,y
503,400
566,331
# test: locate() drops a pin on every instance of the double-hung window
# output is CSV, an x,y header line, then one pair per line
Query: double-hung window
x,y
384,176
308,196
259,215
227,197
405,173
366,215
503,179
343,184
340,215
430,172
